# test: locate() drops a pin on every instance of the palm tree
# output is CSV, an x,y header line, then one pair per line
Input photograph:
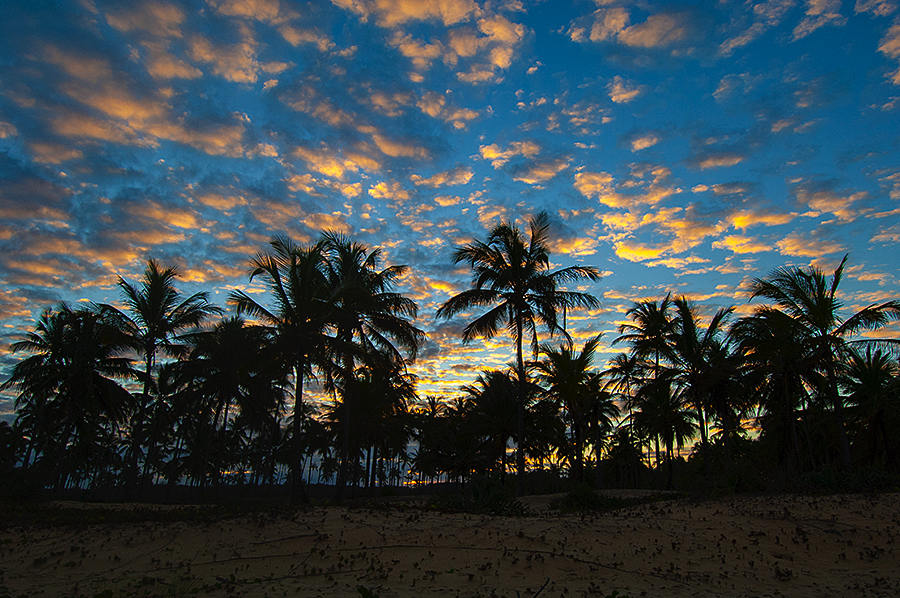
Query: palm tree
x,y
872,381
650,332
492,417
512,277
298,323
370,321
157,314
230,374
567,377
68,384
812,302
696,354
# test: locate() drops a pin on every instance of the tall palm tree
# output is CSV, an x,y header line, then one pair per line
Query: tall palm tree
x,y
298,322
512,277
649,332
566,377
371,321
812,301
69,382
157,313
872,380
696,354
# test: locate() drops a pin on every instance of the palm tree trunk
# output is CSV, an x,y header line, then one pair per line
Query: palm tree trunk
x,y
838,403
520,444
298,493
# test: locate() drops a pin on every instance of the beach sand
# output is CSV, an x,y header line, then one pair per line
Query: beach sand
x,y
795,546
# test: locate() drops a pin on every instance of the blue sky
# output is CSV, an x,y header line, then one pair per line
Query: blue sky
x,y
681,147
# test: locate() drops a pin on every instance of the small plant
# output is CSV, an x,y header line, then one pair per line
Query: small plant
x,y
366,592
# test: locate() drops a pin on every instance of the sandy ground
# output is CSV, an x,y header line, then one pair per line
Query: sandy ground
x,y
792,546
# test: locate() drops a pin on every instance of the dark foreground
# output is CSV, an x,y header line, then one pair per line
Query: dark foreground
x,y
795,546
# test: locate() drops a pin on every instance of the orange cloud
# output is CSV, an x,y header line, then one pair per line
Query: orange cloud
x,y
803,246
540,172
458,176
499,157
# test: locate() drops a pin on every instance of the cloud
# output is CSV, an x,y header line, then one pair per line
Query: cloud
x,y
458,176
163,65
390,13
741,244
890,46
766,15
393,191
659,31
622,91
822,198
491,215
161,19
638,252
395,148
879,8
744,219
234,62
718,159
499,157
818,14
540,171
801,245
643,141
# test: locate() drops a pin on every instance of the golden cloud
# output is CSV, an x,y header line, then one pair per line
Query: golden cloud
x,y
168,215
392,191
658,31
622,91
158,18
744,219
741,244
489,215
223,203
818,14
498,157
541,171
804,246
163,65
390,13
396,149
236,62
643,142
720,160
637,252
458,176
45,152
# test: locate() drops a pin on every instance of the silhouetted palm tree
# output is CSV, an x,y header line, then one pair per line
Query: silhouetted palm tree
x,y
298,323
372,323
566,377
872,381
812,301
67,386
512,276
157,313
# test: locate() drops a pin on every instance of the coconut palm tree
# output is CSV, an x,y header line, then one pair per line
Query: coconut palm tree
x,y
68,385
298,323
371,323
696,354
156,314
512,277
566,377
872,382
811,300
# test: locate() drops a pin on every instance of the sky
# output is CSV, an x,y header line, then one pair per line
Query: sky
x,y
677,147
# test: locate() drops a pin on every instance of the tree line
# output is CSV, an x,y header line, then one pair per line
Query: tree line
x,y
170,390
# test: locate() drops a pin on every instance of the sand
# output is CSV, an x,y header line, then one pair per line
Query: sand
x,y
793,546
